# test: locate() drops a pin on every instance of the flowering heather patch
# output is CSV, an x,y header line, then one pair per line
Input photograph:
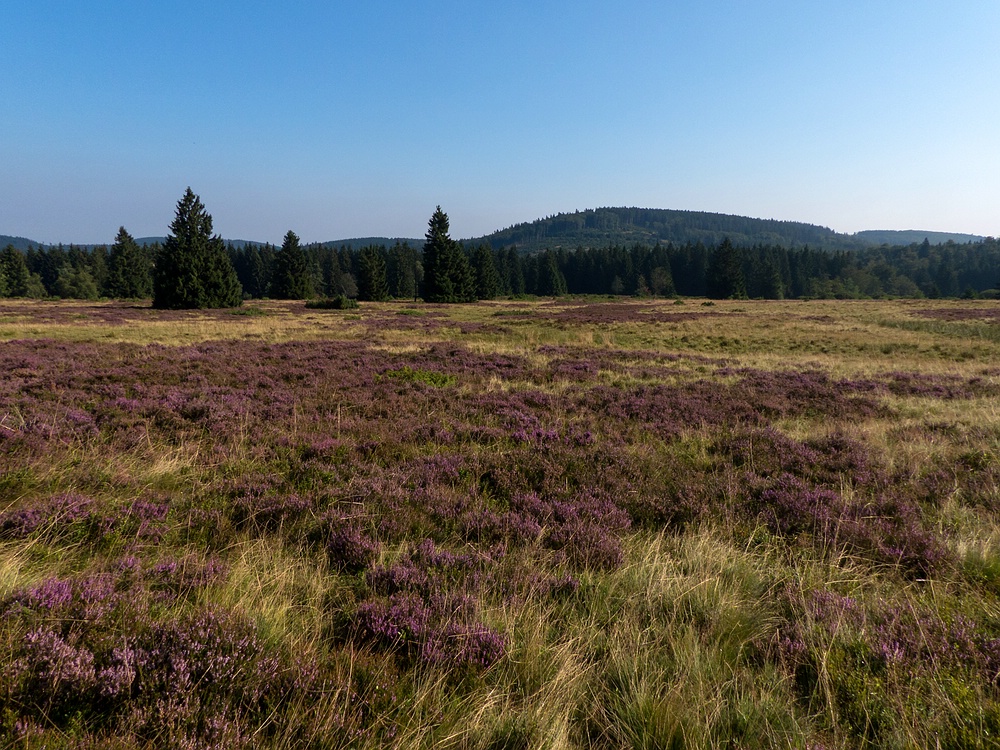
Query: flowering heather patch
x,y
924,385
576,363
830,461
265,505
424,607
886,528
449,531
179,678
50,516
350,548
435,633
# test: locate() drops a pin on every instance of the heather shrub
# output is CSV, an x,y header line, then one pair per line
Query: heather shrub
x,y
349,547
265,506
830,461
200,677
439,632
428,377
888,530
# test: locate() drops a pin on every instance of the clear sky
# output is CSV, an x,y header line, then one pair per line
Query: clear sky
x,y
341,120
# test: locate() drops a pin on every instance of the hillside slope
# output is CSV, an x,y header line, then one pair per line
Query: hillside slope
x,y
623,226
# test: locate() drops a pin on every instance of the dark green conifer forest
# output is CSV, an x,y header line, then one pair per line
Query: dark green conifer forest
x,y
194,268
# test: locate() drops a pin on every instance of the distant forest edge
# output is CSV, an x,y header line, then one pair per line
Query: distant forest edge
x,y
665,269
599,227
621,251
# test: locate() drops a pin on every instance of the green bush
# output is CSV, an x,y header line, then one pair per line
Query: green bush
x,y
339,302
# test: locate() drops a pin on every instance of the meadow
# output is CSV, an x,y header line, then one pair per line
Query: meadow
x,y
569,523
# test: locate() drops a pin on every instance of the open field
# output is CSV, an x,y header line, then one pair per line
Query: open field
x,y
576,523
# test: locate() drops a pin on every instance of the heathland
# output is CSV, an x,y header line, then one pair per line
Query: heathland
x,y
567,523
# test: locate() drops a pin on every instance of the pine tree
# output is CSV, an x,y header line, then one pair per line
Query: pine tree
x,y
448,276
551,282
402,271
128,268
512,272
192,268
14,275
291,277
487,276
373,285
724,278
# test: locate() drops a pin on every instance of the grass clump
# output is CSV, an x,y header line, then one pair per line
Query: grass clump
x,y
428,377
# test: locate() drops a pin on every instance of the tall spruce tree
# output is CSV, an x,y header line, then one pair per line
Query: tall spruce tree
x,y
448,276
192,268
550,281
128,268
291,277
487,276
373,284
402,271
724,278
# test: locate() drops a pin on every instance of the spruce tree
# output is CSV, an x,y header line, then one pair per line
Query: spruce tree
x,y
373,285
487,276
448,276
291,278
402,271
550,280
724,278
128,268
14,275
192,268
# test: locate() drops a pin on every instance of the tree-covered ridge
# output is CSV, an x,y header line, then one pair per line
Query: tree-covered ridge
x,y
604,226
914,236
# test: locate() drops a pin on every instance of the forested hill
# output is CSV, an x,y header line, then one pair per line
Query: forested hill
x,y
914,237
21,243
601,227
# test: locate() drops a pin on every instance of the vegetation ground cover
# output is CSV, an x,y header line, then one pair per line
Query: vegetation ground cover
x,y
572,523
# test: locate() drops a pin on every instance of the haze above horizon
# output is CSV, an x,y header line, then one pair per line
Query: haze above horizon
x,y
353,120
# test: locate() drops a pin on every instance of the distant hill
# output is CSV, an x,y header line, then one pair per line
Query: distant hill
x,y
359,242
21,243
625,226
914,237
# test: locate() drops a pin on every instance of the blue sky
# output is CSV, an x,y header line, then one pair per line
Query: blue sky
x,y
340,119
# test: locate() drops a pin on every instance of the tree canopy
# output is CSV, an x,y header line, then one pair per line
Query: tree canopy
x,y
291,278
128,268
192,268
448,276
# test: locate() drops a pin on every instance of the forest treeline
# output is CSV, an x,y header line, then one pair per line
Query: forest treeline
x,y
380,271
194,268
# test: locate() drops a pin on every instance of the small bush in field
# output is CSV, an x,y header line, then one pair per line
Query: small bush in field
x,y
339,302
